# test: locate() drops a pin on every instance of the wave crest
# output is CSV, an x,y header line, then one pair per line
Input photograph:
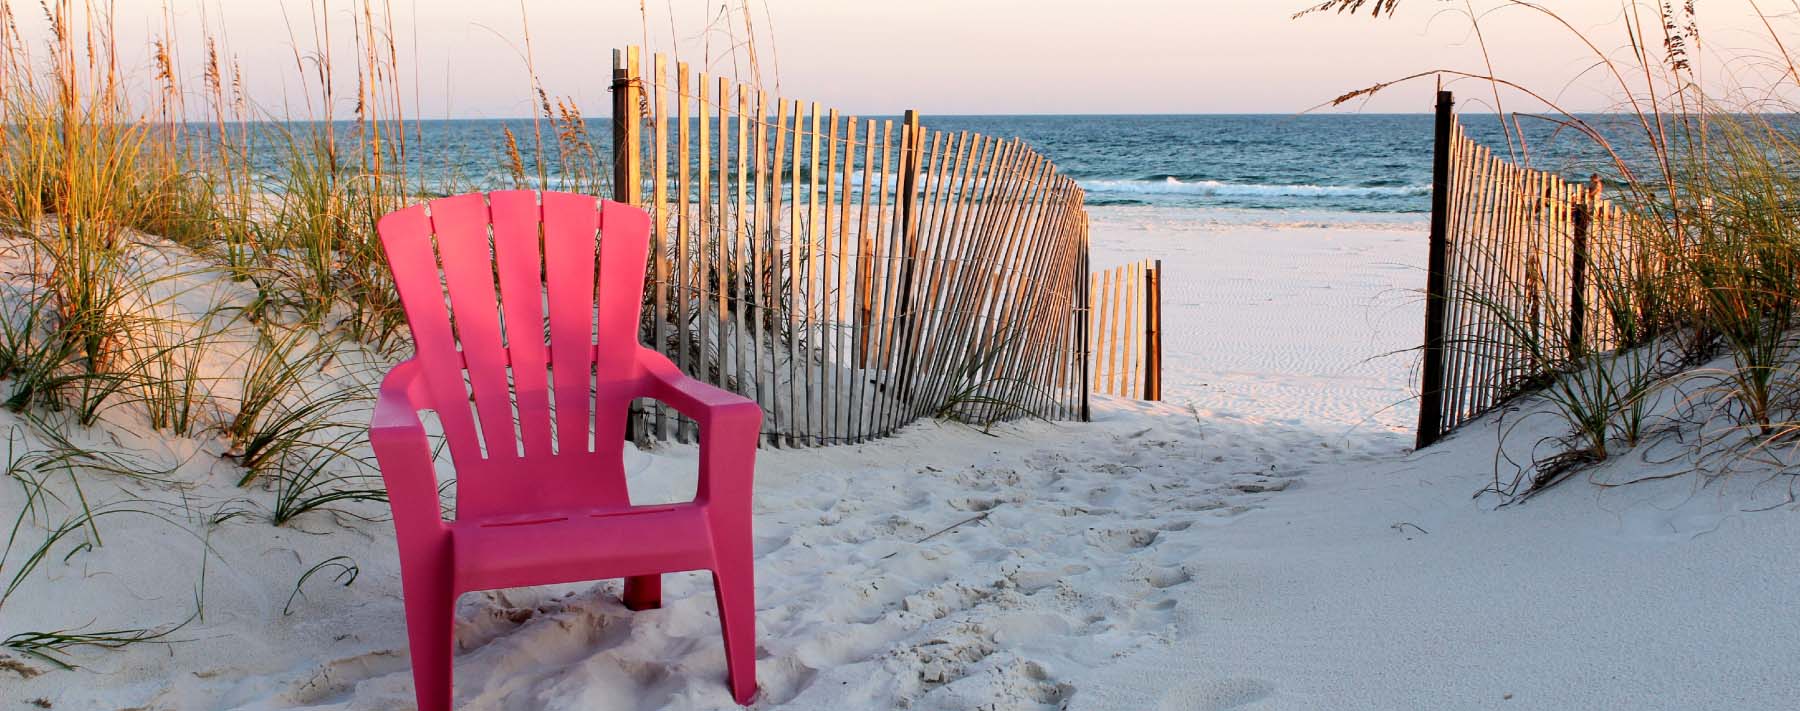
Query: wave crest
x,y
1175,186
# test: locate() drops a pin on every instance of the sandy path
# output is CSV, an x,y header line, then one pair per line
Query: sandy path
x,y
1652,597
946,568
1380,583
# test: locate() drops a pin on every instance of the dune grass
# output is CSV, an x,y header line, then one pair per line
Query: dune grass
x,y
1714,218
343,571
181,262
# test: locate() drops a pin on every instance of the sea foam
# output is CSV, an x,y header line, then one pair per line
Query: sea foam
x,y
1175,186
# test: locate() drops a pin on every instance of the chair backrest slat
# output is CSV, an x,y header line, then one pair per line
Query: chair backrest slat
x,y
467,257
518,253
569,267
620,305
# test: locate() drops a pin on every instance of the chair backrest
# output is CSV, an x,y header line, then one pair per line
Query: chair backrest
x,y
524,317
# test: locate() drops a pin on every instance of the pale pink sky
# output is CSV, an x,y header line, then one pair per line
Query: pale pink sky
x,y
952,56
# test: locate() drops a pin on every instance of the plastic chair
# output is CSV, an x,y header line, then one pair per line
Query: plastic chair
x,y
536,422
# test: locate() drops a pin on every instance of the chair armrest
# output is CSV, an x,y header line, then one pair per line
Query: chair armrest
x,y
729,426
403,453
704,403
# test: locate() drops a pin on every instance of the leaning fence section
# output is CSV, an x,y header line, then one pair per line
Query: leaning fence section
x,y
849,274
1524,274
1125,341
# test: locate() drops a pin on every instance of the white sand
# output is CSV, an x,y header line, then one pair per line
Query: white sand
x,y
1233,547
1386,585
1286,323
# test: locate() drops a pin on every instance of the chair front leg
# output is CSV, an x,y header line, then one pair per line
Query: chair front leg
x,y
430,626
734,589
427,566
727,455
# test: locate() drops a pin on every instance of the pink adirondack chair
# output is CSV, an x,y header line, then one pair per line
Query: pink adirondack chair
x,y
541,497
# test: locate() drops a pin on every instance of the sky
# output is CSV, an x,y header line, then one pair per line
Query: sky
x,y
467,58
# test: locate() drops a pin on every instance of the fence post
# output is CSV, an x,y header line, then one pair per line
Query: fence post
x,y
627,129
628,173
1153,332
1583,219
1431,390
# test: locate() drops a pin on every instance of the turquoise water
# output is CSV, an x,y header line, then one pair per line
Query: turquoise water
x,y
1348,163
1366,165
1354,163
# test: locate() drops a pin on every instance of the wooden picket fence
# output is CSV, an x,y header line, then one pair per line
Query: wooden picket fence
x,y
1126,340
1526,272
850,275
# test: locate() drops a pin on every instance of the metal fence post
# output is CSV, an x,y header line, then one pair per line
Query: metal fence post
x,y
1583,219
1431,390
627,129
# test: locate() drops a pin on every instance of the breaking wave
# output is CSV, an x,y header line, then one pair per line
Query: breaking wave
x,y
1176,186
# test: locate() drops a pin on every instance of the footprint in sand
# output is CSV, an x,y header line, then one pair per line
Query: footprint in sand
x,y
1219,695
337,677
1120,540
1168,577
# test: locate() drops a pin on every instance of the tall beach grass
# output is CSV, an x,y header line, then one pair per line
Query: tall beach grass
x,y
1714,218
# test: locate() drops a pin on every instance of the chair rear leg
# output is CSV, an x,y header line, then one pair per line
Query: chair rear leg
x,y
643,592
430,621
734,587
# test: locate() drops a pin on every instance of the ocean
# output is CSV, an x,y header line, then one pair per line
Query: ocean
x,y
1271,168
1316,163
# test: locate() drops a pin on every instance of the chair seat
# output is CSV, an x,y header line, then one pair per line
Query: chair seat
x,y
579,544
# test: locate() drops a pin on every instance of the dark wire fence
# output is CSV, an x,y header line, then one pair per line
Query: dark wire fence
x,y
1527,272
